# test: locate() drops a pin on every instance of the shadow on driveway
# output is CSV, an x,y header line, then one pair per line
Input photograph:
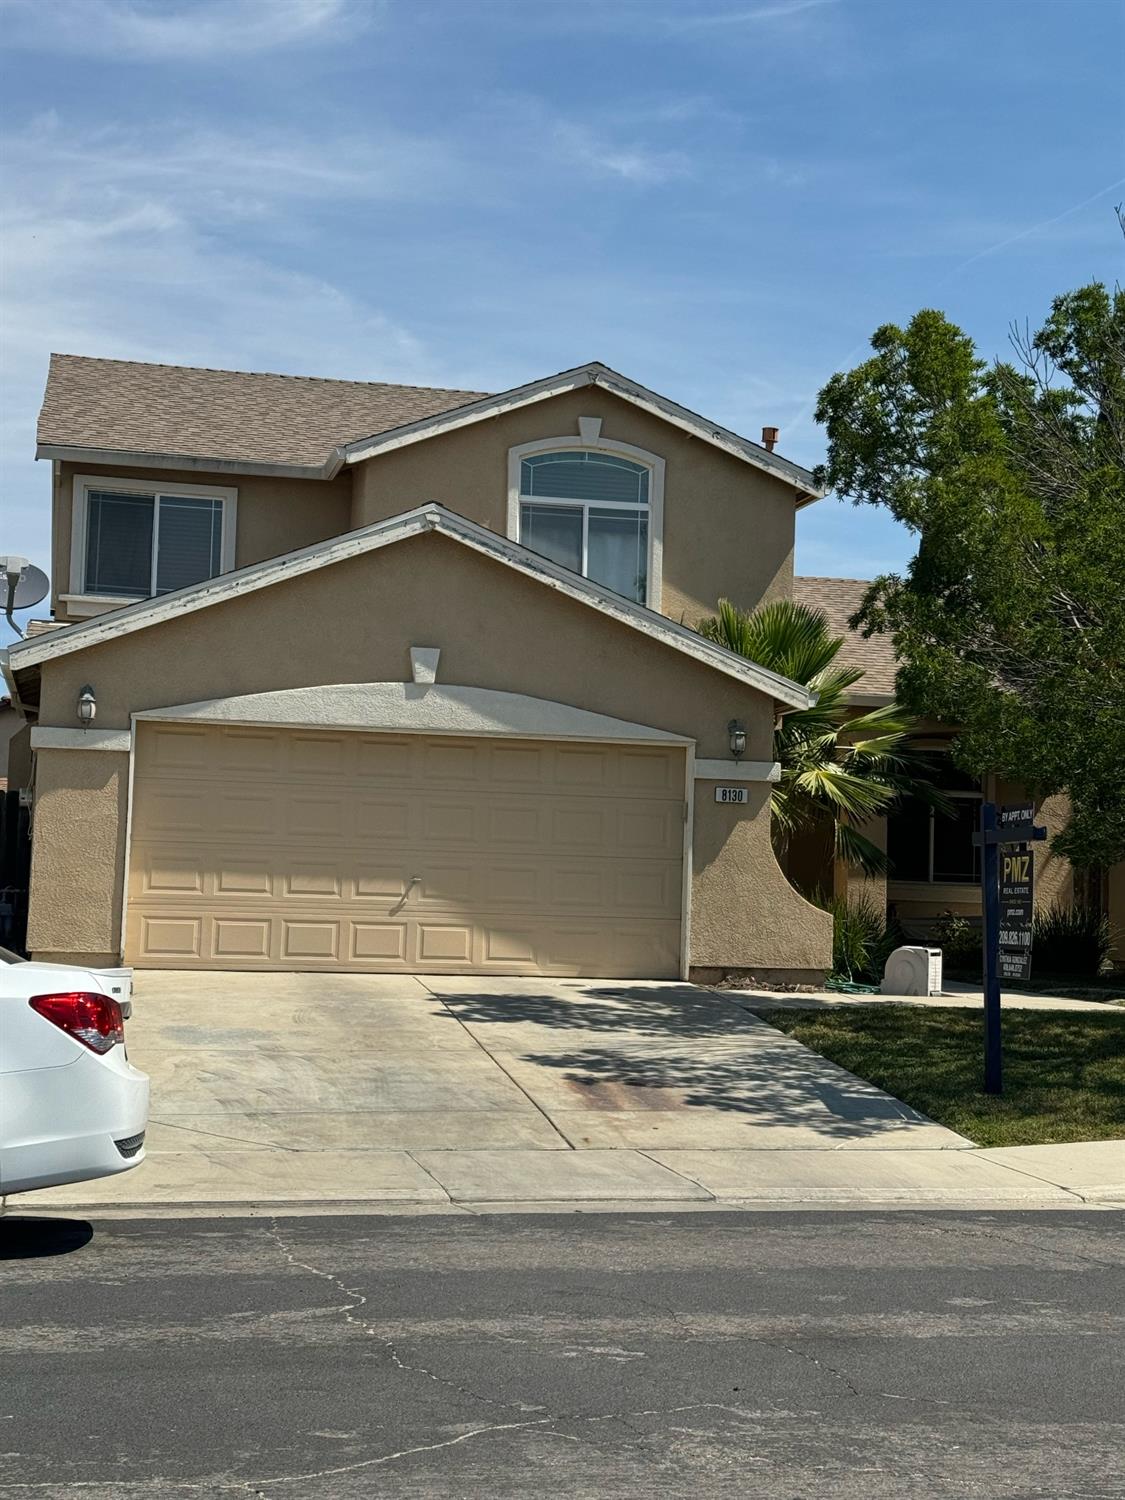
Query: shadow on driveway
x,y
674,1048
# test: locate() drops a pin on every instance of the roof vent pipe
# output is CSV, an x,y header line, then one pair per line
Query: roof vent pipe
x,y
769,438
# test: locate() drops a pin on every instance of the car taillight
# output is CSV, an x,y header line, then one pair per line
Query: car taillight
x,y
90,1018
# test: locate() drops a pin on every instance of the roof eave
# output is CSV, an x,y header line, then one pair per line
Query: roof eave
x,y
381,533
133,458
616,384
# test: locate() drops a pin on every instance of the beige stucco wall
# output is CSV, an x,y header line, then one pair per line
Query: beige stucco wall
x,y
866,889
274,515
745,914
78,854
355,622
728,527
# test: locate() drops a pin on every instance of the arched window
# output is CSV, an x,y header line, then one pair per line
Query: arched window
x,y
591,511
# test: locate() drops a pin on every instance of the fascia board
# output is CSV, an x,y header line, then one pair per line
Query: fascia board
x,y
569,380
464,416
135,459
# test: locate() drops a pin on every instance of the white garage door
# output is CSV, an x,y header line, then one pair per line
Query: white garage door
x,y
262,848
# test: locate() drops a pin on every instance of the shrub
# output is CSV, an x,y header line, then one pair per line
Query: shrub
x,y
862,941
1070,940
960,941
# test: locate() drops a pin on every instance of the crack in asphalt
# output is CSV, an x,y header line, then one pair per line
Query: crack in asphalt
x,y
965,1231
358,1300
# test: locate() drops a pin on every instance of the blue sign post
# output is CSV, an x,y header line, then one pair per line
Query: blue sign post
x,y
1014,825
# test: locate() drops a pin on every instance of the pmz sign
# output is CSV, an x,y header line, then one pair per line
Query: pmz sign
x,y
1007,880
1017,907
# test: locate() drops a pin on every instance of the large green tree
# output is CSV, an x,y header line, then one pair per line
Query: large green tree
x,y
1010,621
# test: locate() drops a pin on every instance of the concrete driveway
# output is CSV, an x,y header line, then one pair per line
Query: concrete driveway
x,y
303,1088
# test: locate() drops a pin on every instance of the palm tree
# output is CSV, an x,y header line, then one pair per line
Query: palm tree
x,y
835,762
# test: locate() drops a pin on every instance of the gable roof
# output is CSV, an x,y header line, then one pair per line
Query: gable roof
x,y
426,518
231,415
120,411
874,656
595,374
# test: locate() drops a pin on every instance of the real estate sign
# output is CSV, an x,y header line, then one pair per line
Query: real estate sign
x,y
1017,905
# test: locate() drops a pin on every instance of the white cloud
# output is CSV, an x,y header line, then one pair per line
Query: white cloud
x,y
778,10
630,163
121,247
165,31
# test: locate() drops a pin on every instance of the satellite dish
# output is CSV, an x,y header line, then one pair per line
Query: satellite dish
x,y
22,587
31,583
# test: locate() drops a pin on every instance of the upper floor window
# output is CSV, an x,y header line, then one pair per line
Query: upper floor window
x,y
133,540
592,511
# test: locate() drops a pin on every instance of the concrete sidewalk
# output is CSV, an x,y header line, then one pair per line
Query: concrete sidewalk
x,y
274,1092
955,996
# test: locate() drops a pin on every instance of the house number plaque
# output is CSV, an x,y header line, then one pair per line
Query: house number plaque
x,y
731,794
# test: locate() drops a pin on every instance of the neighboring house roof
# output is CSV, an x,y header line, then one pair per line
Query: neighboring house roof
x,y
120,411
426,518
839,598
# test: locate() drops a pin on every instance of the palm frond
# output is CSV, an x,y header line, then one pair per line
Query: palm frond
x,y
835,762
859,852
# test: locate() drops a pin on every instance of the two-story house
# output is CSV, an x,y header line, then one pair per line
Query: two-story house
x,y
349,675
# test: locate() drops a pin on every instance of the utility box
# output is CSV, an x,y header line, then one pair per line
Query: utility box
x,y
913,971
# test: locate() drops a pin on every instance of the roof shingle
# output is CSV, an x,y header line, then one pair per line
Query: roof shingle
x,y
225,414
839,598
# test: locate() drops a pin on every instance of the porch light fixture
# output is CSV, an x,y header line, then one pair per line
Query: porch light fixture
x,y
87,707
737,732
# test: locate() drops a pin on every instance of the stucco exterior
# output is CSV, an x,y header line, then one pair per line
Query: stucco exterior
x,y
355,621
78,855
728,527
274,515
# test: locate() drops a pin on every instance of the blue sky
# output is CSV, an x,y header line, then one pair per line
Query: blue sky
x,y
721,198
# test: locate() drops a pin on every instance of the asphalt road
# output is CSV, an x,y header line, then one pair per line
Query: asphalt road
x,y
783,1355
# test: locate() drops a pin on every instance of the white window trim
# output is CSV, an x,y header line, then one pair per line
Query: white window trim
x,y
81,603
652,461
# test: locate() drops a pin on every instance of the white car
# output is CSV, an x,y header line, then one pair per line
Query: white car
x,y
72,1106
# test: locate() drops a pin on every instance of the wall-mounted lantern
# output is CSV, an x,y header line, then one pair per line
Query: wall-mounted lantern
x,y
87,709
737,732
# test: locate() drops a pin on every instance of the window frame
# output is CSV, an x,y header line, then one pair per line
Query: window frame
x,y
962,794
655,508
80,601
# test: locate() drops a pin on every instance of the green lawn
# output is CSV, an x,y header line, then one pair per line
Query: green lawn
x,y
1064,1072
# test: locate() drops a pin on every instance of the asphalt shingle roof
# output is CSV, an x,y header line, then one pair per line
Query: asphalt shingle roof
x,y
227,414
839,598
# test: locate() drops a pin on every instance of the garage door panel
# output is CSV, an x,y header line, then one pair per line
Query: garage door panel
x,y
378,944
244,876
450,760
444,943
385,884
397,853
311,880
377,819
241,938
240,810
171,938
246,752
306,940
317,755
